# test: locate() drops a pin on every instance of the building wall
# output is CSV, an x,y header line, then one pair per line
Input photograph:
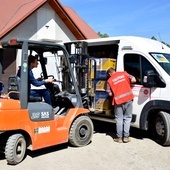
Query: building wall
x,y
34,24
43,24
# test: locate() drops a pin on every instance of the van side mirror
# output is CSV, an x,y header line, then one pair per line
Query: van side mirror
x,y
152,79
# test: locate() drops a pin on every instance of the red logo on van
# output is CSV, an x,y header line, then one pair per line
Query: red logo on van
x,y
145,91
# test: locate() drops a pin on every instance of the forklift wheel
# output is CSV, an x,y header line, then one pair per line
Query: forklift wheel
x,y
81,131
15,149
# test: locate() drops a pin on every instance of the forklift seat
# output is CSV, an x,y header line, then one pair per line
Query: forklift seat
x,y
14,88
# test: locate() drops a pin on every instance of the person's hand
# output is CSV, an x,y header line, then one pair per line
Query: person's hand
x,y
110,93
49,80
133,80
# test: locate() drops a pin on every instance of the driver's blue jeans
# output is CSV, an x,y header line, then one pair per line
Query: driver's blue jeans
x,y
42,93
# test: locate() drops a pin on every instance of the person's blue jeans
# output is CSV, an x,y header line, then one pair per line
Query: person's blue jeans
x,y
42,93
123,117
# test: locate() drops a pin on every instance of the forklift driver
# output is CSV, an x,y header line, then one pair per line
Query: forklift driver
x,y
33,63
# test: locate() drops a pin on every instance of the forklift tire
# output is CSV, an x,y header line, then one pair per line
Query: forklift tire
x,y
81,131
15,149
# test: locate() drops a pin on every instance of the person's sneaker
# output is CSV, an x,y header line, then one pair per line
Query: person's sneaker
x,y
126,139
56,109
118,140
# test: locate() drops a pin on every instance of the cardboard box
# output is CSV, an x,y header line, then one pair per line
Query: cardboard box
x,y
103,101
100,75
102,65
103,104
101,85
102,95
105,63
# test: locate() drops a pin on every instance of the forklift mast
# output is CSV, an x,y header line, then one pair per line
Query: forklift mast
x,y
79,63
84,68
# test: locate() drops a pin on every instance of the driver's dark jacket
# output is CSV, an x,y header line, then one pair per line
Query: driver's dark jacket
x,y
31,78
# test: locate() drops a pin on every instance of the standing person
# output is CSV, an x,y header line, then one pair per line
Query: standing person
x,y
33,63
119,86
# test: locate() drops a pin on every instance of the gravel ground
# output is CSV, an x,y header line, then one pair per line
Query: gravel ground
x,y
102,153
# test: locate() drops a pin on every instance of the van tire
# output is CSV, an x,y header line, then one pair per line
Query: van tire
x,y
161,128
81,131
15,149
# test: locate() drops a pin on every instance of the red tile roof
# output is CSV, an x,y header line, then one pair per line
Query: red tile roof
x,y
13,12
81,24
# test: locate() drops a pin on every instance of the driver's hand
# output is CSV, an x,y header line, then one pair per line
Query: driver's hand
x,y
49,80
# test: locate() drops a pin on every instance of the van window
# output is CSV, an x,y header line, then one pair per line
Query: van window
x,y
163,60
137,65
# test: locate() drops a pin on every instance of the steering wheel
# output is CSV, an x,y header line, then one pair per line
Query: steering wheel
x,y
49,76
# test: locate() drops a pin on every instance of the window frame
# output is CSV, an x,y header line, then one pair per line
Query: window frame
x,y
142,61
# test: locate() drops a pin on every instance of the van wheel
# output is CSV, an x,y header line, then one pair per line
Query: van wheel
x,y
81,131
15,149
161,128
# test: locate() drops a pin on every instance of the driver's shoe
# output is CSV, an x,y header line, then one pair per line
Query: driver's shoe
x,y
56,109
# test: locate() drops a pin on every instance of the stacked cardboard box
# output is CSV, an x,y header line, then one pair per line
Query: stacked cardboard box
x,y
103,101
101,85
102,64
105,63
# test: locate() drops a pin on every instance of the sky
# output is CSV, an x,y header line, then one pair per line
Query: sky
x,y
145,18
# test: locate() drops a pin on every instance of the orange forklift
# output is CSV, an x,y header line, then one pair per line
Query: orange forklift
x,y
27,122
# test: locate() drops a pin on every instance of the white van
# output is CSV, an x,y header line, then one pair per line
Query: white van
x,y
148,60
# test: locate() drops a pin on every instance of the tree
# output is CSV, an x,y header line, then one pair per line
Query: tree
x,y
102,35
